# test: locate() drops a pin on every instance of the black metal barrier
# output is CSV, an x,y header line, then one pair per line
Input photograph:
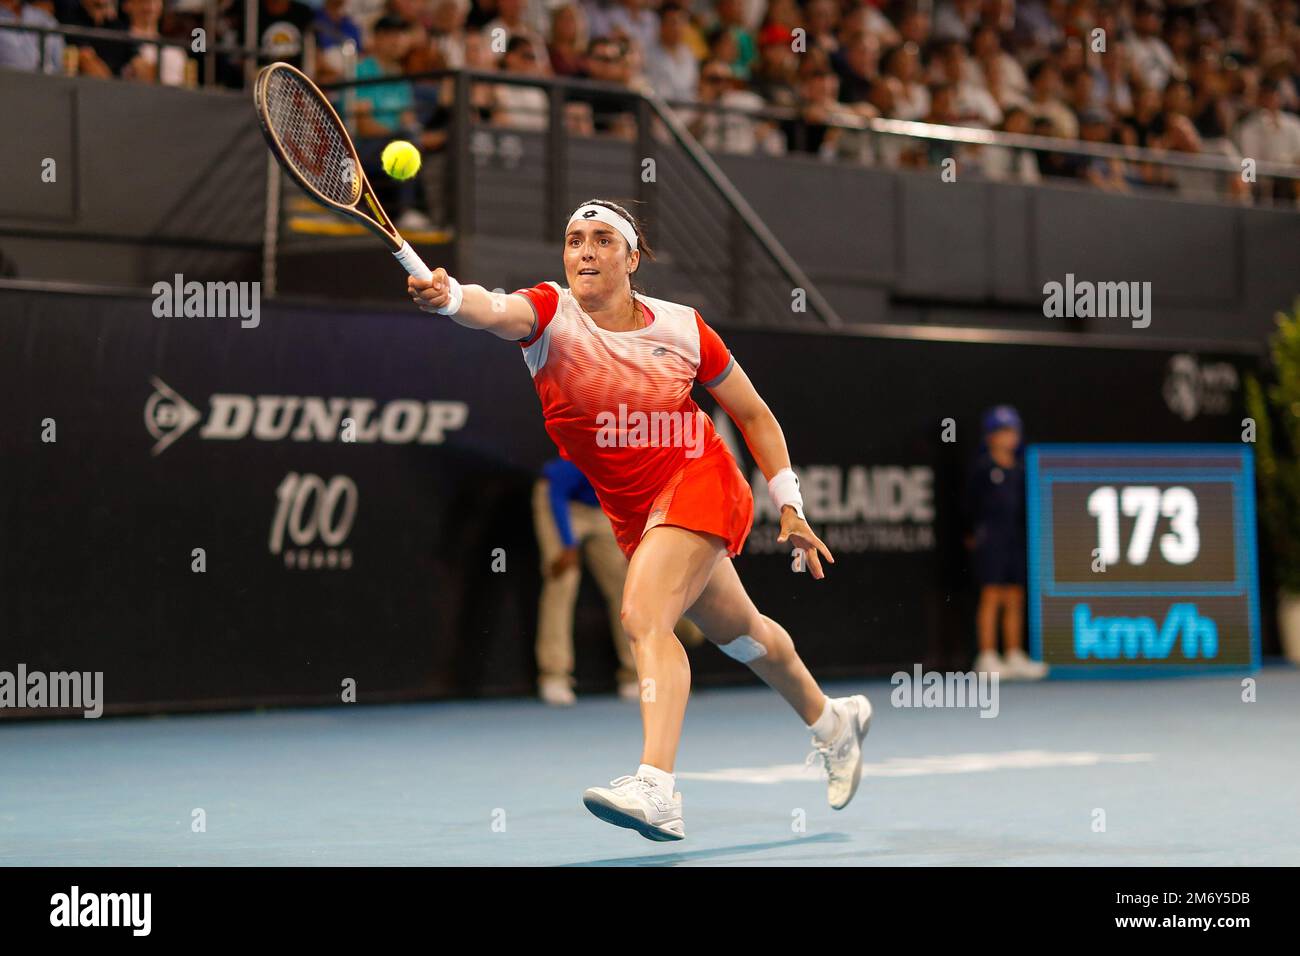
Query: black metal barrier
x,y
183,511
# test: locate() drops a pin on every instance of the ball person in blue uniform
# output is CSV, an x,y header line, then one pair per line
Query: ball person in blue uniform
x,y
995,515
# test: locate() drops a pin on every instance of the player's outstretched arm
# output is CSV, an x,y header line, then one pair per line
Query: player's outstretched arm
x,y
505,316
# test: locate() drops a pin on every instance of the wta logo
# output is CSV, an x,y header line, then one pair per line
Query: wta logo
x,y
1193,387
231,417
1138,638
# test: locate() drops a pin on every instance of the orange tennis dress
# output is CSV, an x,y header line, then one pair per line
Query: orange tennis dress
x,y
618,405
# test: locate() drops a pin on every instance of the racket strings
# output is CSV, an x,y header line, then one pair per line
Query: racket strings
x,y
311,138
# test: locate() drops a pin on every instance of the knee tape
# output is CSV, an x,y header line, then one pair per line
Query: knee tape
x,y
743,649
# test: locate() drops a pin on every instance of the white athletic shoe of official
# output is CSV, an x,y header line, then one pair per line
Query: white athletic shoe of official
x,y
988,662
556,691
414,221
842,757
1020,666
639,804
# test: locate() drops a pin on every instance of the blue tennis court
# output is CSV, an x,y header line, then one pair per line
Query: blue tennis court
x,y
1185,772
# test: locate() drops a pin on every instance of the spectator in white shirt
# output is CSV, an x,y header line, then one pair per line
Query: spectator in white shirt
x,y
1202,184
1003,74
510,23
447,32
1046,103
568,40
520,107
22,50
1111,80
912,100
142,18
669,63
972,102
732,130
1007,163
1152,58
1271,135
631,19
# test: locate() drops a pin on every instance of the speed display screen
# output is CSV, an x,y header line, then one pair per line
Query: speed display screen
x,y
1142,559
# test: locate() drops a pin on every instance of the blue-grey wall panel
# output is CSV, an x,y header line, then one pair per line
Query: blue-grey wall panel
x,y
944,230
1185,250
837,221
1011,249
45,135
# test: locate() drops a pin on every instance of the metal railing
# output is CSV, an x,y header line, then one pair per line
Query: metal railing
x,y
876,130
770,278
775,116
702,228
511,172
119,37
517,173
247,54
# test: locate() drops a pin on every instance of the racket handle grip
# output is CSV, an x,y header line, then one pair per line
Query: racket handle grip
x,y
412,262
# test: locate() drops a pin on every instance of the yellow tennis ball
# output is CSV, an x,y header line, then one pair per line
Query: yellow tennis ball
x,y
401,159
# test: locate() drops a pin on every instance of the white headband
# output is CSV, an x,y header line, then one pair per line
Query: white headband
x,y
608,217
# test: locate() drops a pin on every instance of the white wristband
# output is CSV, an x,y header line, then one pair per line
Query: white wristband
x,y
457,296
784,489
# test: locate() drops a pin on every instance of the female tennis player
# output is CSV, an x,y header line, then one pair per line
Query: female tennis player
x,y
614,371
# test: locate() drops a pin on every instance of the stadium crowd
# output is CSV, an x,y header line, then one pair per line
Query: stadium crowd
x,y
1213,77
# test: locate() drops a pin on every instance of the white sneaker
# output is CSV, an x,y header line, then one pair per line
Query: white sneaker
x,y
641,805
988,662
414,221
842,757
1020,666
556,691
629,690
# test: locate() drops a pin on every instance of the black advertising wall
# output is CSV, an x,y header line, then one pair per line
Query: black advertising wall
x,y
373,559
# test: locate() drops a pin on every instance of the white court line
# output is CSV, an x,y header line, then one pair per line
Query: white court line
x,y
924,766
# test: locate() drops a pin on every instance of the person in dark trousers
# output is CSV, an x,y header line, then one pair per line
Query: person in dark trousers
x,y
570,527
995,513
569,523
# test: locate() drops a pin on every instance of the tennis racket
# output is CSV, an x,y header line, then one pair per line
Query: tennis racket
x,y
309,140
